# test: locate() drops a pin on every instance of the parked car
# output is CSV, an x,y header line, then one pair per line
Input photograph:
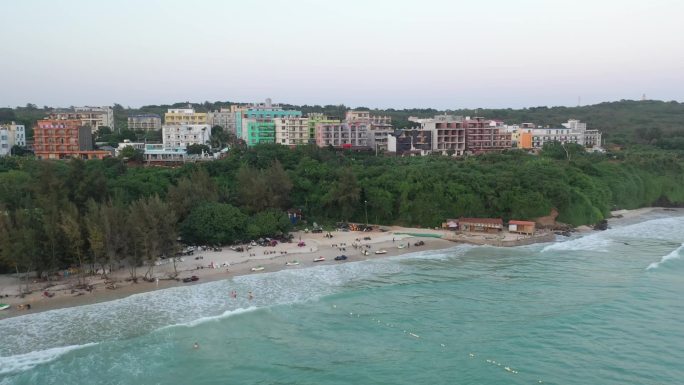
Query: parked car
x,y
341,258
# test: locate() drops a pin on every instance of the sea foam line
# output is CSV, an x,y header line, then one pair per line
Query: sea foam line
x,y
26,361
673,255
225,314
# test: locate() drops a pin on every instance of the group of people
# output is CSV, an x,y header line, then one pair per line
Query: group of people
x,y
233,294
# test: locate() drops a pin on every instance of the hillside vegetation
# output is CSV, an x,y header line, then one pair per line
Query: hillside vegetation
x,y
62,213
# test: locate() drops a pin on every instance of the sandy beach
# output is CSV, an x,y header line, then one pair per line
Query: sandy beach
x,y
216,265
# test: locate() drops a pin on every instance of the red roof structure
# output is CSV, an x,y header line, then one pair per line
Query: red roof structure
x,y
489,221
523,223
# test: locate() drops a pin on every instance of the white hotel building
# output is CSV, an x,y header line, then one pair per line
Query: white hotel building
x,y
183,135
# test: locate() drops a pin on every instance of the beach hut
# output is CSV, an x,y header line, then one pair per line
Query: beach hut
x,y
450,224
521,227
481,225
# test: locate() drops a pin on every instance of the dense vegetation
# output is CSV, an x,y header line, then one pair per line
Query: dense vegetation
x,y
107,213
624,122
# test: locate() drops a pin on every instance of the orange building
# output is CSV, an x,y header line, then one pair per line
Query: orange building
x,y
525,140
521,227
64,139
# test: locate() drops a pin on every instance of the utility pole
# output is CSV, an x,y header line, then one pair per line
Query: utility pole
x,y
365,208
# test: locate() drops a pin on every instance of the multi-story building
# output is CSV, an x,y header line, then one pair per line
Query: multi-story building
x,y
344,135
571,132
63,139
225,118
448,133
589,138
314,119
93,117
292,131
179,116
183,135
379,127
485,135
145,122
11,135
403,142
259,126
367,117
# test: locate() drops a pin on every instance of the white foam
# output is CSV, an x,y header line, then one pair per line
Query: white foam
x,y
595,242
22,362
225,314
443,254
673,255
185,305
667,229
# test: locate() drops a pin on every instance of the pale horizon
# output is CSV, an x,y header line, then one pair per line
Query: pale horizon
x,y
384,54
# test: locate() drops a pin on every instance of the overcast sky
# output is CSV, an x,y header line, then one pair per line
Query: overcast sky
x,y
374,53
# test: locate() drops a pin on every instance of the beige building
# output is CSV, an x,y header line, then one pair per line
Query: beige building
x,y
145,122
93,117
292,131
178,116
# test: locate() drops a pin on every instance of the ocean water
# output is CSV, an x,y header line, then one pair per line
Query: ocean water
x,y
603,308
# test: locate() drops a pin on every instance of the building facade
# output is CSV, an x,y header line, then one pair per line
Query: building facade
x,y
573,131
342,135
64,139
292,131
410,142
485,135
180,116
11,135
183,135
144,122
259,126
225,118
448,133
93,117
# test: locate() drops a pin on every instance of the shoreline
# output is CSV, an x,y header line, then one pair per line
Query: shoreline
x,y
272,259
229,264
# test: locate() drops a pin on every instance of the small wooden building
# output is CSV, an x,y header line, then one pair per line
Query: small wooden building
x,y
450,224
521,227
481,225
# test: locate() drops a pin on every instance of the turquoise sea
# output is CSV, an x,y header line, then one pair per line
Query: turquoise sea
x,y
601,308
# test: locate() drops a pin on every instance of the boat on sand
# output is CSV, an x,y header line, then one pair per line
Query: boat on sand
x,y
257,268
292,263
319,259
383,251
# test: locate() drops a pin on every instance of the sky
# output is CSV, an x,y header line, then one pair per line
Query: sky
x,y
445,54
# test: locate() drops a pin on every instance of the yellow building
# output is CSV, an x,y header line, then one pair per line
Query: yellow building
x,y
179,116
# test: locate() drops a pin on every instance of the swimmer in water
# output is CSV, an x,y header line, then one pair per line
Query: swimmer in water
x,y
195,346
249,295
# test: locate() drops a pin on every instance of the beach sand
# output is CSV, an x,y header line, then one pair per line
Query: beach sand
x,y
227,263
230,263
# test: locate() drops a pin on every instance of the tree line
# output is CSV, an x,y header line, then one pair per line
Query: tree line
x,y
99,215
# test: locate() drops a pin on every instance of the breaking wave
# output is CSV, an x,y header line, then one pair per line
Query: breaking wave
x,y
22,362
675,254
